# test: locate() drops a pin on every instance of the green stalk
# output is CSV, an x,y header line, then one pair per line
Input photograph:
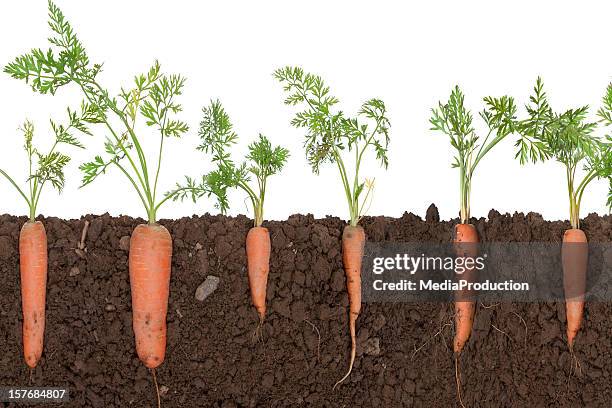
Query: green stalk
x,y
25,197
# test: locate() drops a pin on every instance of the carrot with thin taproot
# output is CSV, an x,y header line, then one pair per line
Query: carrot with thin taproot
x,y
33,270
574,259
353,242
150,262
258,265
466,246
330,135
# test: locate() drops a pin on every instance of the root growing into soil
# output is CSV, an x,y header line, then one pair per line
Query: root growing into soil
x,y
353,319
315,329
575,367
458,379
258,332
524,324
156,388
442,327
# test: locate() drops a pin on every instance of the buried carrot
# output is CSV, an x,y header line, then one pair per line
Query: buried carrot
x,y
33,268
466,237
329,134
262,161
568,138
258,263
33,237
353,242
574,259
454,120
150,261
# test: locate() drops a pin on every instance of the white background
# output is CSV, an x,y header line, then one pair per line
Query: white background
x,y
410,54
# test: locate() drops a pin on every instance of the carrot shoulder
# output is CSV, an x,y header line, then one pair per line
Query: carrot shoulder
x,y
150,264
33,270
258,261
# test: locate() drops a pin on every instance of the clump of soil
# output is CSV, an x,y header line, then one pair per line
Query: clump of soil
x,y
516,357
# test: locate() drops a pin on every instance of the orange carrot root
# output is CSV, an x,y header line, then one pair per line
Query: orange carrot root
x,y
258,264
353,242
33,268
150,263
574,257
466,236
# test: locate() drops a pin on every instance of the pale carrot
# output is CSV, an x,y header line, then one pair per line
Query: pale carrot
x,y
150,263
574,257
258,261
33,268
353,242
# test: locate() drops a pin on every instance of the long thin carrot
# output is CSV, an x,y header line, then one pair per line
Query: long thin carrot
x,y
353,242
465,241
467,235
150,263
574,256
258,261
33,267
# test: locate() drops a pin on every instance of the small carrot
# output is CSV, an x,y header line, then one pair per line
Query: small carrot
x,y
33,238
570,139
262,161
574,258
329,136
150,263
33,267
465,238
258,261
353,242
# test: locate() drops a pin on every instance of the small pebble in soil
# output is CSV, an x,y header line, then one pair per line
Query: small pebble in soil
x,y
110,308
124,243
206,288
372,346
163,390
74,271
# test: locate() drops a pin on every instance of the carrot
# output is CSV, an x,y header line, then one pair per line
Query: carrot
x,y
33,238
33,268
330,137
150,263
258,261
465,240
353,241
262,161
467,235
574,256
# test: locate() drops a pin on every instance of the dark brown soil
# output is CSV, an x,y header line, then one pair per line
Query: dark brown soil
x,y
516,357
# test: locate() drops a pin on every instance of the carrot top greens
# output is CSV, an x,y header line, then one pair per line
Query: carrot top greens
x,y
151,97
569,138
48,167
329,133
499,115
217,136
